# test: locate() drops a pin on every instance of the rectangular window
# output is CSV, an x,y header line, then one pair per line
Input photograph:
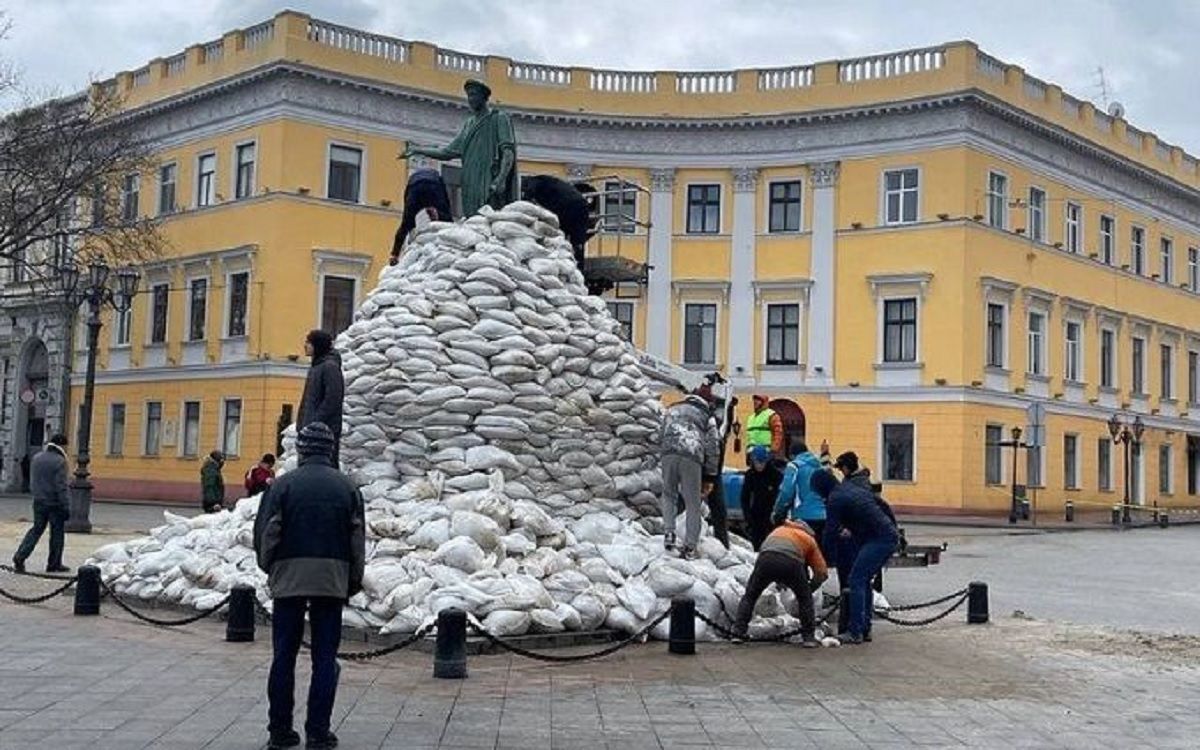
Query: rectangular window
x,y
1107,240
191,429
622,312
167,176
897,452
783,334
116,429
997,200
619,208
1033,467
1104,464
244,157
1166,355
337,303
1137,250
153,432
1074,226
993,435
206,180
995,335
239,290
1037,344
1166,250
1193,279
1071,462
129,197
197,308
900,330
1193,377
158,313
1139,366
1071,370
122,322
345,173
100,209
901,188
784,214
231,428
1037,214
704,209
1108,358
700,334
1165,470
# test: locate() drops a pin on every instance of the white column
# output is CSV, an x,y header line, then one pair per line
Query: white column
x,y
741,278
823,182
658,291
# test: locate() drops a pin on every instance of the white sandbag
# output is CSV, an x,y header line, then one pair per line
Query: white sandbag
x,y
462,553
666,581
482,530
637,597
627,559
507,622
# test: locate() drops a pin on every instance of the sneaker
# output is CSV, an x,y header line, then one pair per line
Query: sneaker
x,y
687,553
866,638
18,565
738,636
289,738
56,569
849,638
668,542
324,742
810,642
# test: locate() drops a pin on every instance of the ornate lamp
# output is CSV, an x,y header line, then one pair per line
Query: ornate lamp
x,y
97,274
1139,429
1114,426
127,286
68,280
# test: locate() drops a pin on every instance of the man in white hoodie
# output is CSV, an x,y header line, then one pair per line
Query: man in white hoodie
x,y
51,504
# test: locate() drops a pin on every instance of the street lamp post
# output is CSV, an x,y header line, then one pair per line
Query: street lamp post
x,y
98,291
1128,435
1016,445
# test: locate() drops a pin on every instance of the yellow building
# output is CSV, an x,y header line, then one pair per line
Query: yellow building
x,y
913,247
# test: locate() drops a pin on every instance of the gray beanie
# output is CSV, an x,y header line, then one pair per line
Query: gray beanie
x,y
316,439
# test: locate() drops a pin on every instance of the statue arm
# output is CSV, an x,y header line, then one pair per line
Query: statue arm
x,y
508,161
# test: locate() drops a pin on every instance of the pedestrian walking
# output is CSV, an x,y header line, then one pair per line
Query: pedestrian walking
x,y
324,388
212,484
261,475
309,536
797,499
852,509
760,487
764,427
791,557
689,447
51,504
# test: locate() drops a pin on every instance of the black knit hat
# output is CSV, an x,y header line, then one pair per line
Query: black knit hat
x,y
316,439
823,482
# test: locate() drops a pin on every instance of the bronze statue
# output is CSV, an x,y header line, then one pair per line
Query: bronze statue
x,y
487,146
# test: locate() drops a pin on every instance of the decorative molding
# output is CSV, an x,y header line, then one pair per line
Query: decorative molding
x,y
680,287
999,287
802,286
1039,298
662,180
323,258
579,171
917,282
1077,307
745,179
823,174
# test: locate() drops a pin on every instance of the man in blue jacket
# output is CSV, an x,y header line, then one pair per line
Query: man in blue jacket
x,y
853,509
797,499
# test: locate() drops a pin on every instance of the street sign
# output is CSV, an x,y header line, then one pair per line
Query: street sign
x,y
1035,418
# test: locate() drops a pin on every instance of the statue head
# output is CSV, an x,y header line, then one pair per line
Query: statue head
x,y
478,94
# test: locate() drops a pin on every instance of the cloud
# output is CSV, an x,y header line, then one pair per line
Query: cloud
x,y
1143,49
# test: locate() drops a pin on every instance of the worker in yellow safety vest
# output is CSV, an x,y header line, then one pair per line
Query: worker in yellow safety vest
x,y
765,428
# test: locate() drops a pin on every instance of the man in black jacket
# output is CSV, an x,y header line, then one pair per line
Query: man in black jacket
x,y
760,488
51,504
324,389
309,535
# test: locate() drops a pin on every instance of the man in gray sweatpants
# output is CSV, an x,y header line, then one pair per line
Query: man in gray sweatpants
x,y
690,449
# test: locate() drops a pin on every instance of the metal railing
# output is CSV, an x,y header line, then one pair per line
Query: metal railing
x,y
361,42
794,77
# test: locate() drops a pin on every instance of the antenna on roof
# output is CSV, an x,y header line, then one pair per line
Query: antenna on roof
x,y
1102,84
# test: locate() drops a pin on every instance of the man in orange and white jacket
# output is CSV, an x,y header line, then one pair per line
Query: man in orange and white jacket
x,y
789,556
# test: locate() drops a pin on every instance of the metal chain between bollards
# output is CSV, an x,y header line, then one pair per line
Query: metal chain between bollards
x,y
365,655
927,620
156,621
637,637
923,605
728,634
38,599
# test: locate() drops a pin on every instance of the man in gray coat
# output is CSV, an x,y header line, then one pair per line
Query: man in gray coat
x,y
690,453
51,504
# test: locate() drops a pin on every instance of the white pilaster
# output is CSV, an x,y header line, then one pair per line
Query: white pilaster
x,y
658,290
823,182
741,278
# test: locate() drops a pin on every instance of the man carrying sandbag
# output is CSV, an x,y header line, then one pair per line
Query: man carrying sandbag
x,y
310,539
690,448
786,558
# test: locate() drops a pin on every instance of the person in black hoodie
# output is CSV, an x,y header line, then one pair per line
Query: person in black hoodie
x,y
324,389
760,487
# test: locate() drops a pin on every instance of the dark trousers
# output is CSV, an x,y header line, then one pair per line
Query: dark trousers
x,y
44,515
287,629
871,558
785,570
717,515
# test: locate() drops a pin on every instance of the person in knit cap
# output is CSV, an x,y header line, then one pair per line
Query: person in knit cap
x,y
310,539
791,557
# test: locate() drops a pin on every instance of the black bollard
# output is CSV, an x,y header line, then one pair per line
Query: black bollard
x,y
683,626
1116,515
977,603
1163,520
450,649
844,612
1069,511
87,591
240,627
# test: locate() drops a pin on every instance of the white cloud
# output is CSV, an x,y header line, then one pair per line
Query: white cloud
x,y
1143,48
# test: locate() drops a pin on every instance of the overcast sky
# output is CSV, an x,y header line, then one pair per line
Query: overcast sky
x,y
1147,48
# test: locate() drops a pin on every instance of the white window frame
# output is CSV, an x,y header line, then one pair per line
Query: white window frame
x,y
321,295
213,183
766,332
225,334
345,265
1166,388
187,307
881,453
182,442
162,418
1133,384
1040,452
884,193
614,224
1004,345
767,205
122,322
108,443
225,399
1166,259
1193,277
1108,240
1003,224
1193,376
1114,367
174,165
1105,481
1170,467
1002,480
1073,361
135,180
1072,227
687,208
362,170
683,306
1042,347
233,182
1073,482
1038,221
1137,249
150,315
633,308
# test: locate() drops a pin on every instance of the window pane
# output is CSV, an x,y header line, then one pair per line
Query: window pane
x,y
239,287
153,427
191,428
116,429
345,168
898,452
993,435
198,307
232,431
337,310
893,207
158,323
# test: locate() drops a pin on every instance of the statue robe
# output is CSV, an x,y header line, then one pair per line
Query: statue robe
x,y
480,145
